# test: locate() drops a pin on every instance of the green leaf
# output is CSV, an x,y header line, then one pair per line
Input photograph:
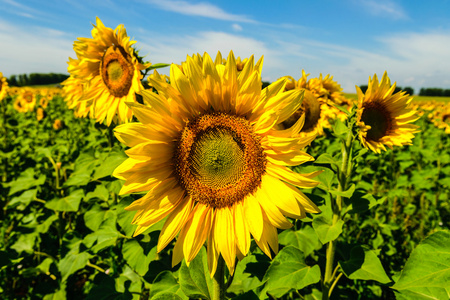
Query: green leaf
x,y
326,158
22,201
25,243
339,128
360,202
249,274
129,281
107,167
166,285
428,265
133,253
289,271
325,229
348,193
73,262
102,238
95,216
157,66
166,296
326,179
78,179
59,294
69,203
364,264
100,192
25,181
304,239
423,293
195,280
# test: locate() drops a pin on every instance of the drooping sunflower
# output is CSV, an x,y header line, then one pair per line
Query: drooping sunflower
x,y
73,91
110,70
385,118
311,108
208,152
3,86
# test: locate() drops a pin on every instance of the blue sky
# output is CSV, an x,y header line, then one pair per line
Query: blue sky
x,y
349,39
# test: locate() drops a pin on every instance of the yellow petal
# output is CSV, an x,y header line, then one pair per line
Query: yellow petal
x,y
224,230
253,216
273,214
241,228
175,222
196,230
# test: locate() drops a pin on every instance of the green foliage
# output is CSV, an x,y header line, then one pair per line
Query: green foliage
x,y
65,232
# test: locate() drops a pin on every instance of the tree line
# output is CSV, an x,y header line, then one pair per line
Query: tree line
x,y
36,79
439,92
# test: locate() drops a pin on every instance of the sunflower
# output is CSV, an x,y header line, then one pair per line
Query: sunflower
x,y
383,117
73,95
26,100
3,86
110,70
208,152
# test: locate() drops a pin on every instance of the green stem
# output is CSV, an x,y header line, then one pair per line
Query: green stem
x,y
219,280
111,136
344,174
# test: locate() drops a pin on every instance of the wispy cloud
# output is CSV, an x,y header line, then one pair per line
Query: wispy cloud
x,y
236,27
47,51
202,9
386,8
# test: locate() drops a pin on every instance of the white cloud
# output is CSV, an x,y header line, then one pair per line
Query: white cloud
x,y
236,27
386,8
33,50
202,9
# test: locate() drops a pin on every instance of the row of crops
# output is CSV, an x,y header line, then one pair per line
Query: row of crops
x,y
65,233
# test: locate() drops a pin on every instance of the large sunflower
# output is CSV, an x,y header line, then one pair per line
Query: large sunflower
x,y
209,155
3,86
383,117
110,70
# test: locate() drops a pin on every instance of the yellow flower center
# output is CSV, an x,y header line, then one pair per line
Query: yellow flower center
x,y
117,71
219,159
379,119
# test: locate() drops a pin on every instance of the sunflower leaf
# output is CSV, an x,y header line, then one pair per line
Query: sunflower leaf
x,y
288,271
364,264
166,286
68,203
157,66
325,229
195,280
428,266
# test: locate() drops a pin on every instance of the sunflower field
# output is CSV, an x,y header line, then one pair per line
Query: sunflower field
x,y
124,183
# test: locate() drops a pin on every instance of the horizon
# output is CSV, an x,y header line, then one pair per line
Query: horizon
x,y
350,40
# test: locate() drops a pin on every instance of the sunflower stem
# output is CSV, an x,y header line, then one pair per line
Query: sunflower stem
x,y
111,136
219,280
345,172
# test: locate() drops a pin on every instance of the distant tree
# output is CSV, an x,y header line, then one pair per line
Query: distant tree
x,y
446,93
409,90
265,84
12,80
397,89
36,79
364,88
431,92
